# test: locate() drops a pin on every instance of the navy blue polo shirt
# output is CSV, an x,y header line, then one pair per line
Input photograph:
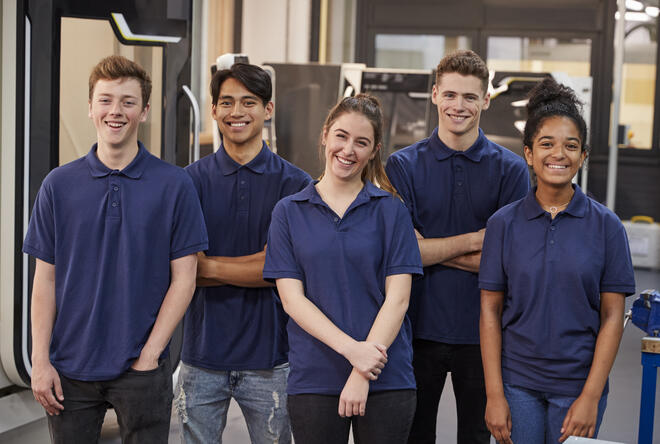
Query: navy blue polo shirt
x,y
228,327
111,235
449,193
343,263
552,273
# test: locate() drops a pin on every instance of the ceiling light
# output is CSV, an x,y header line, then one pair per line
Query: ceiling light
x,y
652,11
634,5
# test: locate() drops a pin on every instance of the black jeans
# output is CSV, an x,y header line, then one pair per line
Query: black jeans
x,y
142,401
431,361
387,420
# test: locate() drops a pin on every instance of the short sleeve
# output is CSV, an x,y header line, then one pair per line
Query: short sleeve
x,y
516,182
403,255
280,258
40,238
491,270
396,173
618,274
189,229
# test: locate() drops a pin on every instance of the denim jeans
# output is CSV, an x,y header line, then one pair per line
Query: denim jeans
x,y
537,417
202,401
141,399
315,419
431,362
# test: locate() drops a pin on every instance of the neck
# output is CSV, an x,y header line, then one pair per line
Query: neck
x,y
556,197
243,153
116,158
458,142
332,186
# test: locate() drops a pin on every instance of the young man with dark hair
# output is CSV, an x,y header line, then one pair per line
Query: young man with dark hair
x,y
235,342
452,182
115,236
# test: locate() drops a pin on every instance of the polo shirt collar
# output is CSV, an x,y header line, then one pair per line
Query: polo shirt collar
x,y
133,170
367,192
228,166
577,207
442,151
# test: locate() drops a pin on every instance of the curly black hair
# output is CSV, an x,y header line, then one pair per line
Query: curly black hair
x,y
548,99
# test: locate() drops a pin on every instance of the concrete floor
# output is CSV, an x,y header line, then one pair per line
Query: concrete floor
x,y
619,424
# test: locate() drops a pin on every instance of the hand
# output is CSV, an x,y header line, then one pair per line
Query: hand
x,y
368,358
478,239
581,418
498,419
144,363
47,387
353,398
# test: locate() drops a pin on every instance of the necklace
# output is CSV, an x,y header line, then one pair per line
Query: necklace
x,y
552,209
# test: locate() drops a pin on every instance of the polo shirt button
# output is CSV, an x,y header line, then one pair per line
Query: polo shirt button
x,y
552,242
336,219
460,183
242,197
242,182
552,228
115,188
114,204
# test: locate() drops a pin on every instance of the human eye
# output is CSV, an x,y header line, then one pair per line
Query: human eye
x,y
572,146
249,102
224,103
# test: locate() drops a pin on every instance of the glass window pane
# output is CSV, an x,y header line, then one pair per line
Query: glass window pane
x,y
638,85
415,51
84,42
524,54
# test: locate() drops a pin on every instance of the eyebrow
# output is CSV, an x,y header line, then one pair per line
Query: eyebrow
x,y
225,97
359,138
553,137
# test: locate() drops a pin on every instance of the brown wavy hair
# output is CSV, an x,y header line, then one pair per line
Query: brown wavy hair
x,y
118,67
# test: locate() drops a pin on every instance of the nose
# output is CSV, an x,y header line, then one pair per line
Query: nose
x,y
558,151
115,109
237,109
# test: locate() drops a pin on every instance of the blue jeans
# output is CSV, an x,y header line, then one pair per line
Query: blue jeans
x,y
537,417
202,401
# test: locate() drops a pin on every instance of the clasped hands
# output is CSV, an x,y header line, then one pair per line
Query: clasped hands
x,y
368,360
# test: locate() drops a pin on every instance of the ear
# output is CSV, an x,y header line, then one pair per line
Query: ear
x,y
434,94
583,156
145,113
528,155
374,153
213,109
89,112
324,137
486,102
269,110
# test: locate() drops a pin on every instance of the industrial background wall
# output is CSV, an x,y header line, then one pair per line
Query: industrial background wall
x,y
586,20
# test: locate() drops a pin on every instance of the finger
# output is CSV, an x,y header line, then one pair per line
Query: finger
x,y
52,402
372,376
363,408
59,393
356,408
591,432
342,408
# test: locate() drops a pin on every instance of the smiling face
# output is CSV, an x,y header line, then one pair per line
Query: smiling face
x,y
460,100
117,111
349,146
240,115
556,154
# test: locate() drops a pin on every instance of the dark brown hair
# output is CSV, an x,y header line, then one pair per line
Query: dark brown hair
x,y
369,107
465,63
253,78
118,67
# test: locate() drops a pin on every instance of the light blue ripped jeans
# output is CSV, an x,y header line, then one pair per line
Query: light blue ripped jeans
x,y
202,399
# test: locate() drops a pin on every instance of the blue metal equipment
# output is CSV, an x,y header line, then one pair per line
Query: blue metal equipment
x,y
645,314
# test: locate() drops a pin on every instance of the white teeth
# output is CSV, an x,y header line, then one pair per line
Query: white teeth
x,y
237,124
557,167
345,162
115,125
458,117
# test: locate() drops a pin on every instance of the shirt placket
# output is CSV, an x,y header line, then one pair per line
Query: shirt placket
x,y
243,203
114,193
